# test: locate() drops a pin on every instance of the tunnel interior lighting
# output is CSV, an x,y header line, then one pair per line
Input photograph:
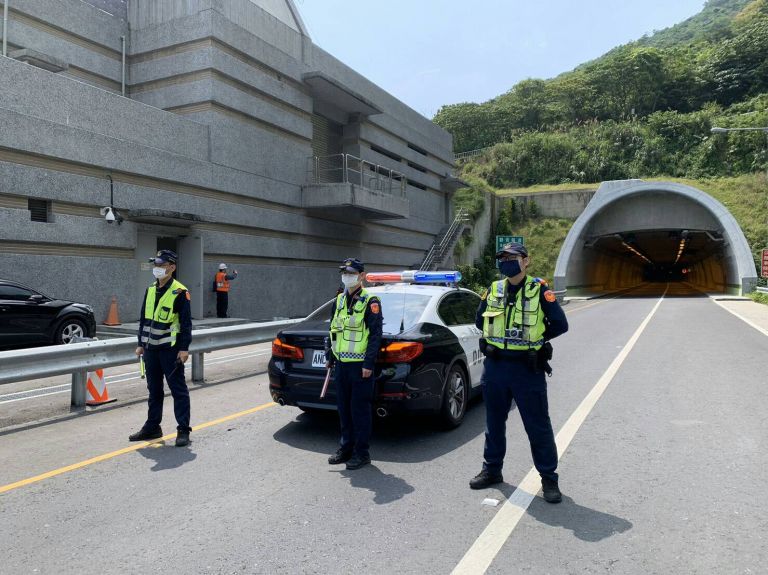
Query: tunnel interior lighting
x,y
681,248
634,251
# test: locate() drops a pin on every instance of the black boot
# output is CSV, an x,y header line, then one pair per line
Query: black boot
x,y
485,479
340,456
550,490
358,461
144,435
182,438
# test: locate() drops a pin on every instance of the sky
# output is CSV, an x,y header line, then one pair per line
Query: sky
x,y
429,53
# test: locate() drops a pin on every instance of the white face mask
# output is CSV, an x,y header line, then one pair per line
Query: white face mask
x,y
159,273
349,280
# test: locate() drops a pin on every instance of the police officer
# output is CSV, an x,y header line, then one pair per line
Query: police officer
x,y
355,336
165,332
518,316
222,290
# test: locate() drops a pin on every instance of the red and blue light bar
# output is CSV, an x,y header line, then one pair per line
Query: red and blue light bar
x,y
414,277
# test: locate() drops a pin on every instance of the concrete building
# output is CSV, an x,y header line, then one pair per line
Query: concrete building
x,y
229,136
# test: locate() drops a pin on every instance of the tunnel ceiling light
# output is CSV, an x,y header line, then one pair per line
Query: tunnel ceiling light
x,y
680,249
634,251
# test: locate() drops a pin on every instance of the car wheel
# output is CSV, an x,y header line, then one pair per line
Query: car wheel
x,y
68,329
455,397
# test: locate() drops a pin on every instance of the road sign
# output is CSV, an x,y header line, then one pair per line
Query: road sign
x,y
502,240
765,264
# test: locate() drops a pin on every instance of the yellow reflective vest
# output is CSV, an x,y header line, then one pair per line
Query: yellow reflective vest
x,y
349,334
161,324
514,327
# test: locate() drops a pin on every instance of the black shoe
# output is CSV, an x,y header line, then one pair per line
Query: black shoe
x,y
357,462
485,479
551,491
339,457
144,435
182,438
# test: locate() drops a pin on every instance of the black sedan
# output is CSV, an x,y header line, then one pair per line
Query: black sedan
x,y
30,317
429,360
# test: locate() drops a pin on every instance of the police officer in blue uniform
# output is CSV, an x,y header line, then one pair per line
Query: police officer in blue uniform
x,y
165,332
355,337
518,316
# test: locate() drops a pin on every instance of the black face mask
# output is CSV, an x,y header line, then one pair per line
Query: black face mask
x,y
510,268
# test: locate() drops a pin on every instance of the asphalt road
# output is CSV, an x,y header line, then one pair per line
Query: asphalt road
x,y
659,408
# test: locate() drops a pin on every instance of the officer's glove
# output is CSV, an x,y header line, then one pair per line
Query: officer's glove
x,y
487,350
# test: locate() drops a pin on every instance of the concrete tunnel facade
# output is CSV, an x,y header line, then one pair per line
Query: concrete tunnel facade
x,y
633,232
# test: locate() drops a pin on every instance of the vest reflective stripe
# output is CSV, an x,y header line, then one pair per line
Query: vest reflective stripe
x,y
161,324
222,283
349,334
518,327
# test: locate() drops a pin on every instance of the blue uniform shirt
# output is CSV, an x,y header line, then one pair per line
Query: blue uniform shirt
x,y
180,306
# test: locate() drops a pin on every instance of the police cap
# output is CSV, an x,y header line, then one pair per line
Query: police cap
x,y
351,265
514,248
164,256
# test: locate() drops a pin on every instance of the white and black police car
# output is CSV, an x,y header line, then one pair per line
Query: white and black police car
x,y
429,361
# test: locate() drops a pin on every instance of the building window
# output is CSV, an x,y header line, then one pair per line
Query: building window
x,y
39,210
417,149
417,167
386,153
417,185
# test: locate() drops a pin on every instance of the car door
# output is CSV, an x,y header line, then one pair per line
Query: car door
x,y
457,310
22,318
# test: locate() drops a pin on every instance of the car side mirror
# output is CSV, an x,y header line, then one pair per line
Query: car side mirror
x,y
37,298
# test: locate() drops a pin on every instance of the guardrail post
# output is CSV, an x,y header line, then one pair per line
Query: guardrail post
x,y
79,381
198,367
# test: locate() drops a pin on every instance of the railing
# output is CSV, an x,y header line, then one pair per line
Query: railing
x,y
349,169
79,358
762,289
471,153
436,253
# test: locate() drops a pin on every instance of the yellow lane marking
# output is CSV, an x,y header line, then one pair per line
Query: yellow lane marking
x,y
112,454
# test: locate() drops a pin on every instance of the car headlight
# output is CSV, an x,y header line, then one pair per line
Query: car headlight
x,y
87,308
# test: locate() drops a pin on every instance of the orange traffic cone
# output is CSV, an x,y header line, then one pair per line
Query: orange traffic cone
x,y
97,388
112,317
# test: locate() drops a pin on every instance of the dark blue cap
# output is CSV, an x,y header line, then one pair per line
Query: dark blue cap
x,y
514,248
352,265
164,257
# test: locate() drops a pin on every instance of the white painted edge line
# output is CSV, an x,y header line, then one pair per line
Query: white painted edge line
x,y
485,548
741,317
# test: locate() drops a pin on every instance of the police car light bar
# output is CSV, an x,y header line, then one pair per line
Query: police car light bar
x,y
414,276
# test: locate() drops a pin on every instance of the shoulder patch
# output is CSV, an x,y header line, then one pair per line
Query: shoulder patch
x,y
189,298
550,296
375,307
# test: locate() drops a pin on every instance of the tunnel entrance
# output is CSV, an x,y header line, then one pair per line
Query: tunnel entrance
x,y
635,233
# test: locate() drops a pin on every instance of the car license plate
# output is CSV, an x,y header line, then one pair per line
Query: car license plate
x,y
318,358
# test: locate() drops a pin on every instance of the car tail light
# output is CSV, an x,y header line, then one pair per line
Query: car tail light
x,y
400,352
282,349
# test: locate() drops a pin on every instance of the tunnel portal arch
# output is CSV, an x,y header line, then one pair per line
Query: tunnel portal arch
x,y
635,231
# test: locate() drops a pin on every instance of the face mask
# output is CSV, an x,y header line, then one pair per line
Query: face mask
x,y
349,280
159,273
510,268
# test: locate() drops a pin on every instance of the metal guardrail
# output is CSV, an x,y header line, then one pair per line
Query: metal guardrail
x,y
762,289
349,169
79,358
471,153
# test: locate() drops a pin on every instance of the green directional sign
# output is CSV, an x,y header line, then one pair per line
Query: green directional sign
x,y
501,241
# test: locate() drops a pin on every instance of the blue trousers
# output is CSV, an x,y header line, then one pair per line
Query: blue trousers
x,y
504,381
354,398
159,363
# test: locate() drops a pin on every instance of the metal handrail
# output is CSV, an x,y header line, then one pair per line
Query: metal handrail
x,y
438,248
79,358
349,169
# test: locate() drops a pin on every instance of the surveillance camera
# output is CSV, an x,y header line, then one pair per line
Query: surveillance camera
x,y
110,215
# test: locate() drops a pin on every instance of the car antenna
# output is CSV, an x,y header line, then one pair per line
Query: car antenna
x,y
402,317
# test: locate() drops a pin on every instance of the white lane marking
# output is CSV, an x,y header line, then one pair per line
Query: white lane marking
x,y
742,318
123,377
483,551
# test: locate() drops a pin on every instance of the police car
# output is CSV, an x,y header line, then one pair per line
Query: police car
x,y
429,361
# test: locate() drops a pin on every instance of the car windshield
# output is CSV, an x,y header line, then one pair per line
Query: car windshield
x,y
395,306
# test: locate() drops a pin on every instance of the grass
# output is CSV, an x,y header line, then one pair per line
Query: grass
x,y
547,188
759,297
